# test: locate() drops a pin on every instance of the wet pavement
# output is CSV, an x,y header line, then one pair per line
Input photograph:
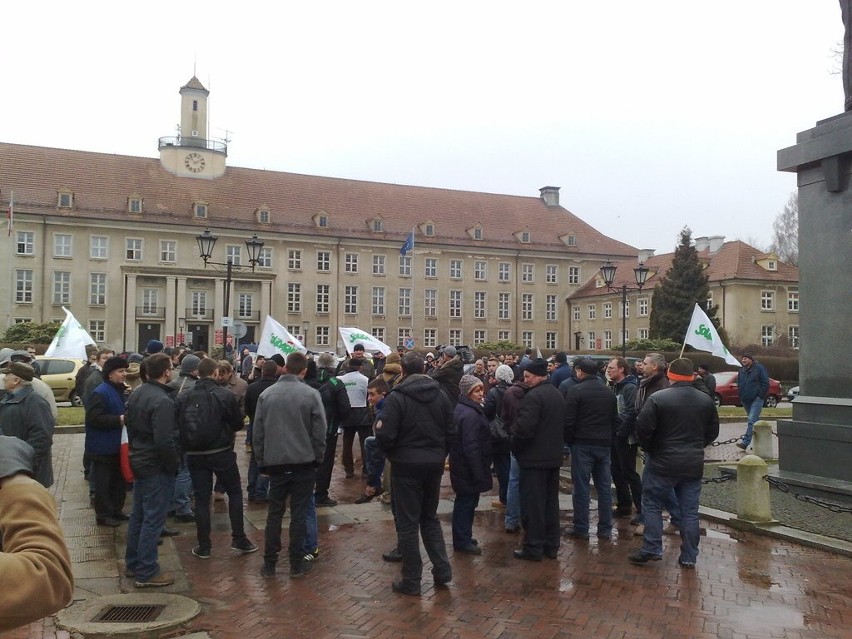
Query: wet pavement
x,y
745,585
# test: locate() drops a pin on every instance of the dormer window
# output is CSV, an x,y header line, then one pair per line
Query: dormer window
x,y
476,232
568,240
66,200
524,237
377,225
771,265
134,205
428,229
262,215
199,210
321,220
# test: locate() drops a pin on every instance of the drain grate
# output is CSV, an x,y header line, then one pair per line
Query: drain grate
x,y
129,614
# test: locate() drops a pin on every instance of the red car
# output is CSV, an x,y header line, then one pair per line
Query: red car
x,y
728,394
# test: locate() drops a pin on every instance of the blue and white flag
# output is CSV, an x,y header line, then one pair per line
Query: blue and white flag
x,y
702,336
408,245
277,339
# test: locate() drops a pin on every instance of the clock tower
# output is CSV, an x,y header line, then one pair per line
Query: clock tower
x,y
192,153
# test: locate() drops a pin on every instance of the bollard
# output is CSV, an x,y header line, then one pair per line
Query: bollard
x,y
762,442
752,490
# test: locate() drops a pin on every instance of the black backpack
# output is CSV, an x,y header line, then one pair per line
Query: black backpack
x,y
199,420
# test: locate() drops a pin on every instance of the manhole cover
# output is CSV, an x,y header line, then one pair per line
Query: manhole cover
x,y
128,614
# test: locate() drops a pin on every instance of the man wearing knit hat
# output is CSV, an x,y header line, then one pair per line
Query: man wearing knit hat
x,y
674,426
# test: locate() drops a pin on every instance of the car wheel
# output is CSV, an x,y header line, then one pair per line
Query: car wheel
x,y
75,400
717,398
771,401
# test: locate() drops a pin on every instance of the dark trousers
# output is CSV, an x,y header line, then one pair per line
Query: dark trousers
x,y
628,483
327,465
298,485
202,468
502,463
464,509
349,433
108,483
539,491
415,500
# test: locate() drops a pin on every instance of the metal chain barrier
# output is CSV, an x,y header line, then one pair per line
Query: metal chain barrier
x,y
718,480
784,488
725,443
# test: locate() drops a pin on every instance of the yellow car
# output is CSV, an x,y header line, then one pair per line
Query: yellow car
x,y
60,374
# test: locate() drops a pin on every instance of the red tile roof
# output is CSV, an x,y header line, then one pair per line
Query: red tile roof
x,y
102,183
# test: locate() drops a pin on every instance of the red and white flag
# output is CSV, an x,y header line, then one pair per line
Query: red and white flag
x,y
124,456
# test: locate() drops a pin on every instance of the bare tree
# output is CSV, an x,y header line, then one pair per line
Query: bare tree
x,y
785,232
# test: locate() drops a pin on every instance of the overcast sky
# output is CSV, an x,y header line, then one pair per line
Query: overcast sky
x,y
650,115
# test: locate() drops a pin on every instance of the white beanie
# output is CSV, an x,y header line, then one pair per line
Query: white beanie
x,y
504,373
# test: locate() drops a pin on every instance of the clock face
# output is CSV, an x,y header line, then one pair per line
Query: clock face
x,y
194,162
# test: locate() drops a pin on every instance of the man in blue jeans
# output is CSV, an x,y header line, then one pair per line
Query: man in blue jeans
x,y
674,426
752,385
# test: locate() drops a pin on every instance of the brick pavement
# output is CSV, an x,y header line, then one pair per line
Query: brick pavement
x,y
744,585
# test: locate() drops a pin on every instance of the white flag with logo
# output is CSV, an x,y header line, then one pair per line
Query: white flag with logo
x,y
702,335
352,336
277,339
70,340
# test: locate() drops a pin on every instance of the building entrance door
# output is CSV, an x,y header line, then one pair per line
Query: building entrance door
x,y
200,337
147,332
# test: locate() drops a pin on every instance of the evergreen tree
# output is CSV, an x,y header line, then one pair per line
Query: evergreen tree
x,y
675,295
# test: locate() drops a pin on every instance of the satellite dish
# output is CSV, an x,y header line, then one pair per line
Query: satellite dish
x,y
239,329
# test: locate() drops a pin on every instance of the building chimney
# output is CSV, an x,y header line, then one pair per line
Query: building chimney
x,y
645,254
550,195
701,243
716,242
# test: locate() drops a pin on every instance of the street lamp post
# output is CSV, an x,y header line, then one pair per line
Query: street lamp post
x,y
206,243
608,274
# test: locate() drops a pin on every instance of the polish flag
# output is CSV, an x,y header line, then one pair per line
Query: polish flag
x,y
124,456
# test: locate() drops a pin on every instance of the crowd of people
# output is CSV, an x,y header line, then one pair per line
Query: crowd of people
x,y
497,420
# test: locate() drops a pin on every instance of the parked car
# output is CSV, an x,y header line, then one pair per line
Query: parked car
x,y
728,395
793,393
60,373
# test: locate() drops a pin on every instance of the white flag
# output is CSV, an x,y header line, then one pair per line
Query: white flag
x,y
352,336
277,339
70,340
702,335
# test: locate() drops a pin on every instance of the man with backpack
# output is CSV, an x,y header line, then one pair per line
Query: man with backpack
x,y
208,419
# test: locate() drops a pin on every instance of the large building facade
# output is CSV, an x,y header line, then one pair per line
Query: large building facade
x,y
113,238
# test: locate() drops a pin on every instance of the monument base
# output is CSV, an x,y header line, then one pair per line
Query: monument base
x,y
815,456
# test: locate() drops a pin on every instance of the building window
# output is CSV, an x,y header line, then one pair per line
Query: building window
x,y
503,335
429,229
455,337
455,269
199,303
404,302
593,343
525,237
527,306
134,205
199,210
323,261
233,254
479,336
625,336
767,300
767,335
168,251
644,305
479,305
61,245
551,273
378,332
607,310
133,249
294,297
294,260
430,338
264,258
97,289
643,333
350,300
793,301
504,272
593,309
378,301
573,274
527,339
772,265
66,200
550,339
150,299
378,225
477,233
322,220
625,309
295,330
455,304
431,269
709,303
607,340
550,308
62,287
503,306
430,302
322,334
405,266
351,263
245,302
793,336
323,297
571,240
263,216
97,329
25,243
379,264
480,270
527,273
575,313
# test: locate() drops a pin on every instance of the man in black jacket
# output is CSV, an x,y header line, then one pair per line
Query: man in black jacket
x,y
674,426
536,437
591,418
628,484
335,401
258,485
415,431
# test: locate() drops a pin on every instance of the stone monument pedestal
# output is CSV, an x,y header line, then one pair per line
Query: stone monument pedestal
x,y
815,447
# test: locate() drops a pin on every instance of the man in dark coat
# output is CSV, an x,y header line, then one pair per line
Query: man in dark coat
x,y
628,484
674,426
753,386
448,373
335,402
